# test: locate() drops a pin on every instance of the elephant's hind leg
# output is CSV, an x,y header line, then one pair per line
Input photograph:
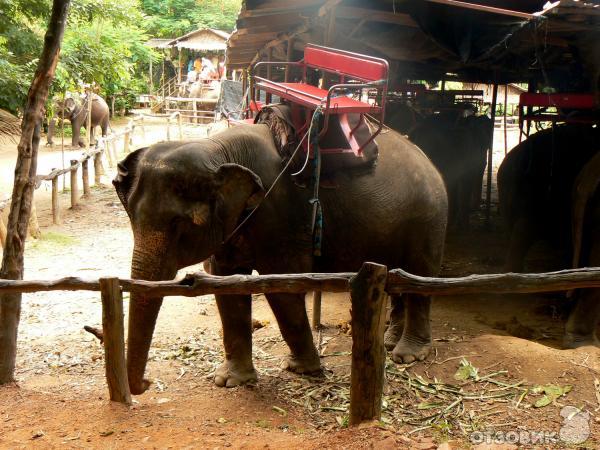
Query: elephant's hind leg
x,y
393,333
290,312
235,312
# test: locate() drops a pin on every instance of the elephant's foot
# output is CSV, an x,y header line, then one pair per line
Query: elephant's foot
x,y
393,335
230,374
139,387
305,366
409,350
573,340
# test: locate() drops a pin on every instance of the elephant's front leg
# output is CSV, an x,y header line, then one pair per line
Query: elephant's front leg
x,y
235,312
290,312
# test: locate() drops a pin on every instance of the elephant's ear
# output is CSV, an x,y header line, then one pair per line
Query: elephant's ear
x,y
239,189
127,175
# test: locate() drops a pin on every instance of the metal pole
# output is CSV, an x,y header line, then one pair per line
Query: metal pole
x,y
488,193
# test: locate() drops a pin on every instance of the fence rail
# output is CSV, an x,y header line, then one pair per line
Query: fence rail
x,y
107,146
368,309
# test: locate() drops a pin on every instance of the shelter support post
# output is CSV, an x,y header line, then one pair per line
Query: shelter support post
x,y
114,340
367,290
505,106
316,310
288,58
268,96
488,192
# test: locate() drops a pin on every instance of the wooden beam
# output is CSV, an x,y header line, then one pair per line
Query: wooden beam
x,y
372,15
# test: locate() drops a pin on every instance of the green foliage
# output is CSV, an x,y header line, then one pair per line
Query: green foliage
x,y
172,18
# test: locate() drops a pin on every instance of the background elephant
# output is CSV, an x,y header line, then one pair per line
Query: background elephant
x,y
535,182
184,200
457,146
581,326
76,113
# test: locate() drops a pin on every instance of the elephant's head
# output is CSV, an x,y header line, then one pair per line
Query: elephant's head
x,y
68,103
182,206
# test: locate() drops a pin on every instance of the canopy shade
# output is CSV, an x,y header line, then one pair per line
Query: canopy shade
x,y
480,40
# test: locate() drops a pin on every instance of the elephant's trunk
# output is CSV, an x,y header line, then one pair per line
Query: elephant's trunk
x,y
149,265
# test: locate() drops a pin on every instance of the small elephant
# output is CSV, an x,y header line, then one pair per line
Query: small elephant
x,y
184,200
76,113
581,325
535,182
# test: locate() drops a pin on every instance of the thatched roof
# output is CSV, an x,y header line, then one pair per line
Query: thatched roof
x,y
479,40
204,39
9,124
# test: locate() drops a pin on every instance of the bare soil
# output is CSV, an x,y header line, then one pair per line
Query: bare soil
x,y
61,401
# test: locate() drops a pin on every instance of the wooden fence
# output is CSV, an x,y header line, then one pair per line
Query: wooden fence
x,y
368,289
106,145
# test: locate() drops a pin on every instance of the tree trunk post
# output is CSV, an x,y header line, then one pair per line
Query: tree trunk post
x,y
90,95
107,154
113,153
98,169
367,290
114,340
55,202
74,187
85,178
288,58
24,184
169,128
316,310
490,160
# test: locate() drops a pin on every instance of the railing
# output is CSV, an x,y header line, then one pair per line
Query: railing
x,y
106,145
368,289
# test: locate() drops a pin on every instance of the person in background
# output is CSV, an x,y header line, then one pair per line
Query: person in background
x,y
198,65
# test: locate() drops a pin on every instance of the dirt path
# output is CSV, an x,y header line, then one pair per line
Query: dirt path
x,y
61,401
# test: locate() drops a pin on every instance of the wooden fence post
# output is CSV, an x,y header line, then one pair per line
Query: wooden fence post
x,y
126,138
85,178
55,202
74,188
143,129
98,169
114,340
169,128
113,153
180,128
367,290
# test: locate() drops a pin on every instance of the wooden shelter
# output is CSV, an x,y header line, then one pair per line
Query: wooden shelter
x,y
481,40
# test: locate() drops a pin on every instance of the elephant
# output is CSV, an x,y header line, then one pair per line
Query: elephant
x,y
76,113
535,182
462,164
585,223
186,200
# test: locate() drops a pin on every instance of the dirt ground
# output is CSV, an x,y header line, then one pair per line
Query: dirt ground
x,y
497,365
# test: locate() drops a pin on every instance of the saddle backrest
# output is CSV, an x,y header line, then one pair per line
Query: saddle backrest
x,y
353,65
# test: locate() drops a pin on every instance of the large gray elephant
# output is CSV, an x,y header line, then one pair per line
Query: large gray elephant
x,y
581,327
76,113
185,199
535,182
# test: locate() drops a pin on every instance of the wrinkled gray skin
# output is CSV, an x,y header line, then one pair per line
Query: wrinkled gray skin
x,y
581,326
76,113
535,182
461,163
185,198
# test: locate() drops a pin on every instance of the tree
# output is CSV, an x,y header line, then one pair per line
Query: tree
x,y
24,184
172,18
